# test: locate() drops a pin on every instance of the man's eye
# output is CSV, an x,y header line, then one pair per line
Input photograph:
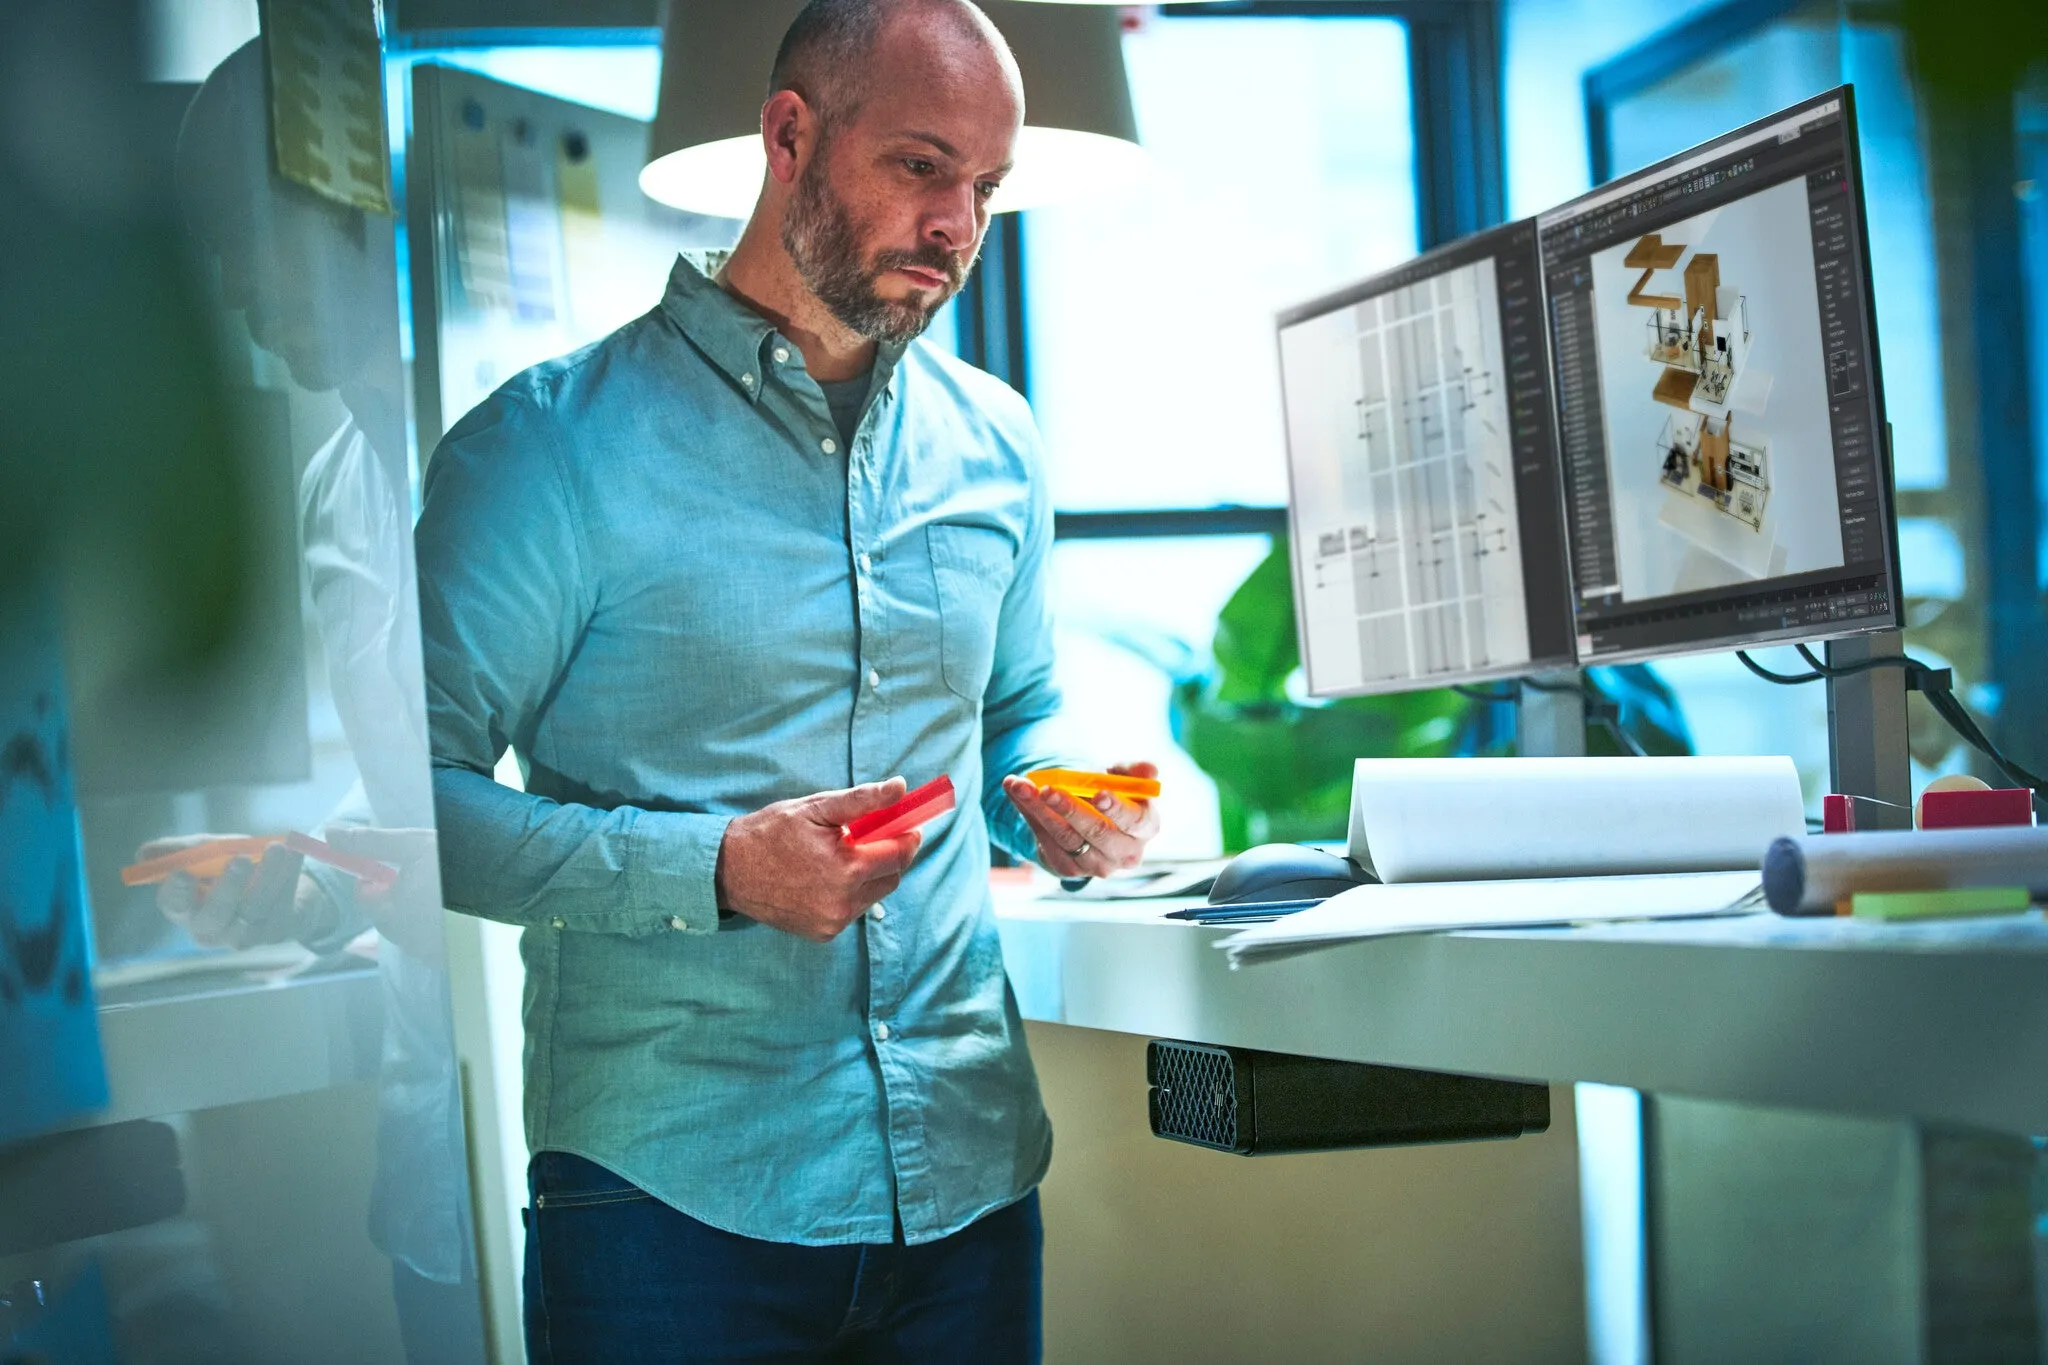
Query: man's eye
x,y
987,189
917,165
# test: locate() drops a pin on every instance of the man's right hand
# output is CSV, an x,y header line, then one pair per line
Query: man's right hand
x,y
787,865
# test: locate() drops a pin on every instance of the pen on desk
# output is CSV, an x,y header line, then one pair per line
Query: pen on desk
x,y
1230,914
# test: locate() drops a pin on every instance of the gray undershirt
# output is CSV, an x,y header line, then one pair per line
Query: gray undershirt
x,y
847,398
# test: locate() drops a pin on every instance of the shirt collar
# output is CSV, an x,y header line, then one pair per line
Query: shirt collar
x,y
733,336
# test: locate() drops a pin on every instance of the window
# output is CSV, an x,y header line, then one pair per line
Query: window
x,y
1285,165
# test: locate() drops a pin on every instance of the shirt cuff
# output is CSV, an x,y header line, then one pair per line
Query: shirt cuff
x,y
334,921
672,871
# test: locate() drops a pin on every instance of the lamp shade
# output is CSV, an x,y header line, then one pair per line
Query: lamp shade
x,y
704,151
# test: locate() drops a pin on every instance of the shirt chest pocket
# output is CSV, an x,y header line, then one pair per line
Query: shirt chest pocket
x,y
972,567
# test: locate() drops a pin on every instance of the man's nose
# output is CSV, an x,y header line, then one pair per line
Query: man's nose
x,y
953,219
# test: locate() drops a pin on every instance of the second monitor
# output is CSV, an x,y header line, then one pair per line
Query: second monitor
x,y
1722,419
1425,507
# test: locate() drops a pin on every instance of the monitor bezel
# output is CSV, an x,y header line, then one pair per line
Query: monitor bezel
x,y
1484,243
1888,504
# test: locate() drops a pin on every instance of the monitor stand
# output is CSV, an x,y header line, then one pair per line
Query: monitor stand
x,y
1867,741
1552,724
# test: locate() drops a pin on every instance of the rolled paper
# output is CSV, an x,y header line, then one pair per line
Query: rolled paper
x,y
1807,874
1480,819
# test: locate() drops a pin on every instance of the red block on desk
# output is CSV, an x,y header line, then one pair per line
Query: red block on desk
x,y
928,802
1976,809
1843,814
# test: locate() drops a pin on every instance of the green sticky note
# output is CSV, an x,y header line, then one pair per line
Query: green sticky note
x,y
1968,900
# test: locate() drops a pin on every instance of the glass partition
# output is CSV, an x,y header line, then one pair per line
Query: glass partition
x,y
279,1171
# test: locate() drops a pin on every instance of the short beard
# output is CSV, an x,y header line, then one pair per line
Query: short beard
x,y
820,237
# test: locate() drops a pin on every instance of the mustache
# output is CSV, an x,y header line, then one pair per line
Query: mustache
x,y
953,265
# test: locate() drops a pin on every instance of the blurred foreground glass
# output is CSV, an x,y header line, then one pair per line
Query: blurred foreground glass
x,y
280,1173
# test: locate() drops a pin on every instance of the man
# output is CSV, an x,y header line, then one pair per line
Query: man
x,y
722,581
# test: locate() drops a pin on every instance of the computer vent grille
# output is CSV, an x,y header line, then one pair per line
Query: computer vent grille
x,y
1194,1095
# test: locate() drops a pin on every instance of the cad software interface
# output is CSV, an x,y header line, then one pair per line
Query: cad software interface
x,y
1425,508
1721,423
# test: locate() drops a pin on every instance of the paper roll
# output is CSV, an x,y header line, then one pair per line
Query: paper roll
x,y
1808,873
1469,819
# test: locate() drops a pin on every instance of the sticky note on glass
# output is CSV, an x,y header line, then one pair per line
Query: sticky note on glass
x,y
1076,782
928,802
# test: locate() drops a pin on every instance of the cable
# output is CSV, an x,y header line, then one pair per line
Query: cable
x,y
1608,719
1937,685
1599,710
1782,679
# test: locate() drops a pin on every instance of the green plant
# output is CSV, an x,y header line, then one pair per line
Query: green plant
x,y
1282,766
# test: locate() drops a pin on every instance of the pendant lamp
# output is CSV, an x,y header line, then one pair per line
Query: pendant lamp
x,y
704,151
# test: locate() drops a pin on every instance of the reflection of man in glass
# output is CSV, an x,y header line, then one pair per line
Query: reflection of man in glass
x,y
316,284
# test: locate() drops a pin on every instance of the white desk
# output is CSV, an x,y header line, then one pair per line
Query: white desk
x,y
174,1052
1942,1022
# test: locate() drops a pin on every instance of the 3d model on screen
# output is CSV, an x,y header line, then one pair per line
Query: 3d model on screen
x,y
1700,341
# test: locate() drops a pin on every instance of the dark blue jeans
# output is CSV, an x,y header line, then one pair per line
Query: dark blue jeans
x,y
613,1275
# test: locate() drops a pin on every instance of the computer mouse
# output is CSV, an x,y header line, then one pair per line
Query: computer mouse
x,y
1285,872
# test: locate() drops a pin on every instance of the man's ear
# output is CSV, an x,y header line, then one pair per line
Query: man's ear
x,y
789,133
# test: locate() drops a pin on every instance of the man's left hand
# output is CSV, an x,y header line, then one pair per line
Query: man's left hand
x,y
1087,839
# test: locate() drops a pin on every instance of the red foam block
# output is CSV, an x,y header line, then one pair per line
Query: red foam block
x,y
928,802
1976,809
376,877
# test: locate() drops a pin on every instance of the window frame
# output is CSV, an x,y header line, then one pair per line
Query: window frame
x,y
1455,65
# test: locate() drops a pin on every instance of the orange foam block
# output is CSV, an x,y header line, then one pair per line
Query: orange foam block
x,y
208,861
1076,782
205,861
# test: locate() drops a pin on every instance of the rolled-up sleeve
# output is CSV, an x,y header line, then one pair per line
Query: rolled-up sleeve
x,y
506,592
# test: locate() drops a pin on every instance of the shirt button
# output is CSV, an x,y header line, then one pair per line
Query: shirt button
x,y
559,922
782,355
881,1033
878,912
874,679
866,564
747,380
829,446
675,922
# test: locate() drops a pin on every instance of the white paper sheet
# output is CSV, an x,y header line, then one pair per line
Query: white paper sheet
x,y
1525,903
1465,819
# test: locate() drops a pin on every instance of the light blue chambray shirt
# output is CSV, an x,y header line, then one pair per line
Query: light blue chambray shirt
x,y
651,569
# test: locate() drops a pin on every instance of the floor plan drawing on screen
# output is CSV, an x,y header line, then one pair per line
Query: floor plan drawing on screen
x,y
1404,482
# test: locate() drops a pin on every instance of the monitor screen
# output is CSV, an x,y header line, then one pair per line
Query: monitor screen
x,y
1425,510
1727,478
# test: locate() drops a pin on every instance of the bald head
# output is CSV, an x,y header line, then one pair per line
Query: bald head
x,y
836,52
888,130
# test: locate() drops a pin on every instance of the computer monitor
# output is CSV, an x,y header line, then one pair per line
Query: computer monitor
x,y
1727,473
1427,533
